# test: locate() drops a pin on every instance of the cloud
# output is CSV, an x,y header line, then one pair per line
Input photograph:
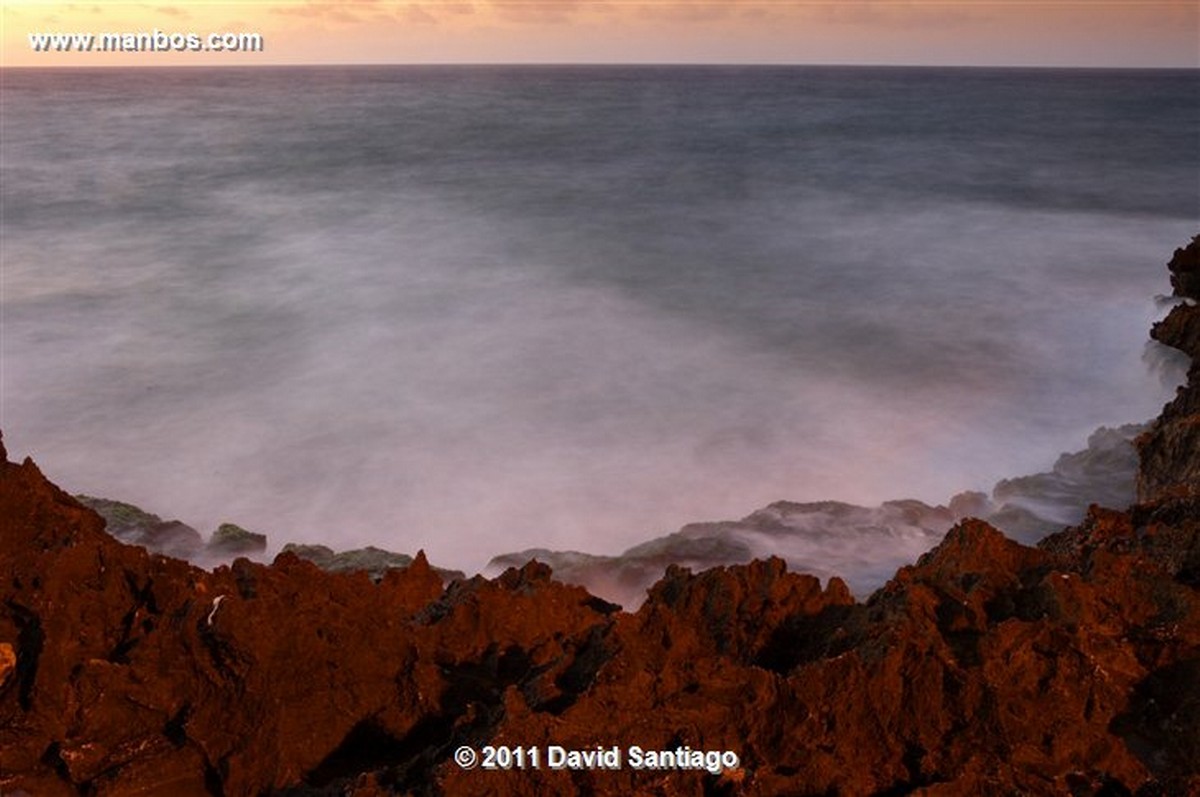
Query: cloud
x,y
541,11
417,15
686,11
344,11
885,14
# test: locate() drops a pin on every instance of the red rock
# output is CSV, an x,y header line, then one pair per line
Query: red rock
x,y
987,667
1170,450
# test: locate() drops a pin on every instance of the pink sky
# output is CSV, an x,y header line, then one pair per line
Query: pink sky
x,y
947,32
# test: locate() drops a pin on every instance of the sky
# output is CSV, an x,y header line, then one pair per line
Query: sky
x,y
1085,33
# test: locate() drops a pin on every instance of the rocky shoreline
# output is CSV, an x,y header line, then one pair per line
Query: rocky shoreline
x,y
987,667
862,545
133,525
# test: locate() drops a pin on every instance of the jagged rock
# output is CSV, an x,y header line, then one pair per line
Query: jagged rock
x,y
8,662
863,545
1185,270
1170,450
826,538
320,555
141,674
987,667
1103,473
375,562
135,526
231,540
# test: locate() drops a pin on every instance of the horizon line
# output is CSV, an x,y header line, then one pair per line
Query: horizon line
x,y
577,64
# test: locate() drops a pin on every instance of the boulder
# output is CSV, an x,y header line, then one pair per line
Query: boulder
x,y
231,540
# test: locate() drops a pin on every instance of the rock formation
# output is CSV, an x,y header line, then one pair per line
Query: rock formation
x,y
1170,450
863,545
135,526
231,540
823,538
987,667
375,562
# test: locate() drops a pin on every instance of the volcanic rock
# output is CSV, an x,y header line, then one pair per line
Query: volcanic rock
x,y
863,545
230,540
987,667
135,526
818,537
375,562
1170,450
1029,507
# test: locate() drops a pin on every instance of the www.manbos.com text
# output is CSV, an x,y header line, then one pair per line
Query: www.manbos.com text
x,y
153,41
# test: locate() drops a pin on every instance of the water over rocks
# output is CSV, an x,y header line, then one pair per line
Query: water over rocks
x,y
986,667
863,545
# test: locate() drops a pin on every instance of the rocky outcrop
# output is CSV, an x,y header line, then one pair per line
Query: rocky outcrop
x,y
137,673
825,538
1170,450
230,540
135,526
862,545
987,667
375,562
1030,507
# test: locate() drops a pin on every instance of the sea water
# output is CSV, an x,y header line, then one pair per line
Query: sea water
x,y
477,309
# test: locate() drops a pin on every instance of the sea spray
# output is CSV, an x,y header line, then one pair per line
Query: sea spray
x,y
478,310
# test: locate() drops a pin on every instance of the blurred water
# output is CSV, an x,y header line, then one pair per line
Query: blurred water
x,y
480,309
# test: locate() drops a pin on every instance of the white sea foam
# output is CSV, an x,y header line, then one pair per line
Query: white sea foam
x,y
472,314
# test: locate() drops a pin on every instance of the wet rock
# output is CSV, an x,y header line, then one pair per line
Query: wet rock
x,y
375,562
826,538
1103,473
986,667
230,540
863,545
135,526
1170,451
320,555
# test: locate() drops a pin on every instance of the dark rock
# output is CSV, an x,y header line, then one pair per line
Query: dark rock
x,y
320,555
826,538
1170,451
375,562
987,667
1104,473
135,526
231,540
863,545
1185,270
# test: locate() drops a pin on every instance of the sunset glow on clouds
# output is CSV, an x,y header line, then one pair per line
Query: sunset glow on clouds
x,y
968,32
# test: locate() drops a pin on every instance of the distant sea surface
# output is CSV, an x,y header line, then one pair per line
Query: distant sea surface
x,y
477,309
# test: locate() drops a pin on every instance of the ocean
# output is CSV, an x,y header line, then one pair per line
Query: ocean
x,y
479,309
